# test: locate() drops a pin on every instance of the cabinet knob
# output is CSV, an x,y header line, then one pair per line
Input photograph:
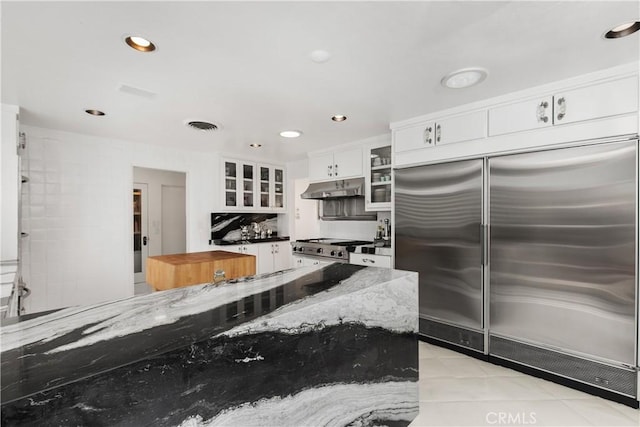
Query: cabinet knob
x,y
562,108
335,169
438,133
329,170
541,112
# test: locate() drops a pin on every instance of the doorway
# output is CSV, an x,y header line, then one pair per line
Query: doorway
x,y
140,223
162,217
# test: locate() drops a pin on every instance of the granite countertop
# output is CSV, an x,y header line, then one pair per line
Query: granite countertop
x,y
222,242
319,345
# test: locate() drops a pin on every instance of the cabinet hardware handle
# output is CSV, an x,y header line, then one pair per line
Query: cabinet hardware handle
x,y
426,137
540,112
335,168
329,170
438,133
562,108
271,248
372,261
277,248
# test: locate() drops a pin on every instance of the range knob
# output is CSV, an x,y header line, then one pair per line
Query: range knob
x,y
301,249
295,249
333,253
319,250
340,254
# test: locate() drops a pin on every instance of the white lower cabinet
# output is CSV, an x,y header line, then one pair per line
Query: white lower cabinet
x,y
270,257
274,256
300,261
370,260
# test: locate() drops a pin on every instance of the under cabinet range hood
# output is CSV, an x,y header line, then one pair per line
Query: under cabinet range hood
x,y
335,189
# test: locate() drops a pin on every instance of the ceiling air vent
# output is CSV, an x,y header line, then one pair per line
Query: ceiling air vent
x,y
204,126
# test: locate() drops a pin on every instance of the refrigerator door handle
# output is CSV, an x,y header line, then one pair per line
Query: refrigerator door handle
x,y
484,242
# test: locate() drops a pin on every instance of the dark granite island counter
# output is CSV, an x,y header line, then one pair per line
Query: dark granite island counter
x,y
326,345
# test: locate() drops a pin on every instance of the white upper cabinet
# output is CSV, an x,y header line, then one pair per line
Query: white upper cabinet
x,y
465,127
599,100
414,137
378,176
271,185
239,180
448,130
576,105
252,187
519,116
335,165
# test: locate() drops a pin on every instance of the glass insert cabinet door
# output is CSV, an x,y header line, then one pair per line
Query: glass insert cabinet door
x,y
271,187
247,185
278,191
239,185
230,184
265,187
380,175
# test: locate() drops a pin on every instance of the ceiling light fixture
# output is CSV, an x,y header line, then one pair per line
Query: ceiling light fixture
x,y
320,56
94,112
465,77
290,133
140,44
339,118
622,30
254,145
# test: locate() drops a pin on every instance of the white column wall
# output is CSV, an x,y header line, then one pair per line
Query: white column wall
x,y
77,210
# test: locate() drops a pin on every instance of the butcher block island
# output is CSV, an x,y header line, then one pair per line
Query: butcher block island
x,y
177,270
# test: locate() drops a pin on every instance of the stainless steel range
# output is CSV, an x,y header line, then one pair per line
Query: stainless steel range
x,y
327,249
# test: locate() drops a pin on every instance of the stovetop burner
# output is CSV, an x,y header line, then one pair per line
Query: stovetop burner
x,y
338,242
334,249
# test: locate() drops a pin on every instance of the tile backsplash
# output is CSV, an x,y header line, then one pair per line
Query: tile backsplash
x,y
226,226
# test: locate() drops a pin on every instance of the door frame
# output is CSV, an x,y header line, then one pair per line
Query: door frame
x,y
140,276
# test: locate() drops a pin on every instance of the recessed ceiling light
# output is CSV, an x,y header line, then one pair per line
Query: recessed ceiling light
x,y
622,30
254,145
464,78
290,133
94,112
140,43
320,56
339,118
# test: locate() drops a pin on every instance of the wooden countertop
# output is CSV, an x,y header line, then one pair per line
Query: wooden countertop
x,y
173,271
196,257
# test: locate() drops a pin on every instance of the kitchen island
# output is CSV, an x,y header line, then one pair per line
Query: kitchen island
x,y
320,345
176,270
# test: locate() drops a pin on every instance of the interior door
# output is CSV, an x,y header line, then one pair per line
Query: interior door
x,y
140,231
563,249
438,220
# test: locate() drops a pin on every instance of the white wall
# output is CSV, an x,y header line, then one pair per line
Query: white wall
x,y
9,185
77,209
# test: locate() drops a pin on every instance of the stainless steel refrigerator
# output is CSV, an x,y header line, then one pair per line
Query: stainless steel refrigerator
x,y
558,291
563,262
438,216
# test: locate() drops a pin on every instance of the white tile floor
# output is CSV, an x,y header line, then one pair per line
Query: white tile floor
x,y
458,390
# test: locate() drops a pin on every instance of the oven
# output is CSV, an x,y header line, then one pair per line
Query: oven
x,y
337,250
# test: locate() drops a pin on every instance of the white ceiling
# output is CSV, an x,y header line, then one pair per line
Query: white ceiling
x,y
245,65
